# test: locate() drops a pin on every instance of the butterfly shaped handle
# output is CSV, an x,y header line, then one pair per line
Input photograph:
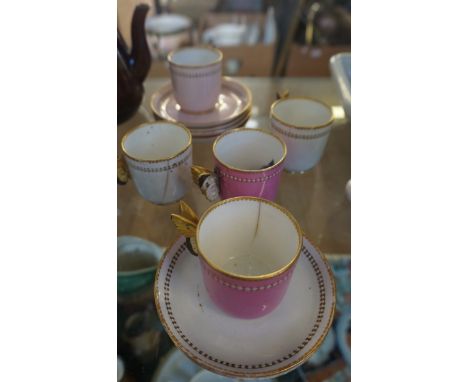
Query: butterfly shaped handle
x,y
207,181
123,175
280,94
186,223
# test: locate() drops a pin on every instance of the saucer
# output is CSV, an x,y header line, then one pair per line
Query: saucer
x,y
236,120
215,131
234,101
263,347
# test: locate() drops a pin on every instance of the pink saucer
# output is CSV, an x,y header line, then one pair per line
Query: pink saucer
x,y
234,101
263,347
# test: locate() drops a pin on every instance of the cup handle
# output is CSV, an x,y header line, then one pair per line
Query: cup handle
x,y
207,181
282,94
186,223
123,175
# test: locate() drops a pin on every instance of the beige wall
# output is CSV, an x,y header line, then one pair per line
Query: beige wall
x,y
124,15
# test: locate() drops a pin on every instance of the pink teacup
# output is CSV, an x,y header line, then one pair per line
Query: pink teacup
x,y
248,162
248,248
196,77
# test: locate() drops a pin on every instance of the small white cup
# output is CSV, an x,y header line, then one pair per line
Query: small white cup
x,y
228,34
304,124
196,77
167,32
158,156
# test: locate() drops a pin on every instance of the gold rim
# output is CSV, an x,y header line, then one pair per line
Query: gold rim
x,y
150,124
257,277
287,124
225,81
198,112
223,372
283,157
217,61
240,120
217,134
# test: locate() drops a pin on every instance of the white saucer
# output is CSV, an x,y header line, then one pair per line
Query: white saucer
x,y
264,347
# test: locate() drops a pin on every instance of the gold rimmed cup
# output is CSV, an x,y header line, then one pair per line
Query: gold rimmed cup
x,y
234,102
292,326
248,162
158,157
247,242
196,77
304,123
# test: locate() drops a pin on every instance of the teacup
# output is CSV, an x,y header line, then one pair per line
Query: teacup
x,y
248,249
228,34
166,32
137,260
196,77
158,158
305,124
248,162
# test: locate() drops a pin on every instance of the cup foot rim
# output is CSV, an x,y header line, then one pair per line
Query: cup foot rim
x,y
198,112
300,172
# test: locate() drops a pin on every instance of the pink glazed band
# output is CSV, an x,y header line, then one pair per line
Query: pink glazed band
x,y
245,299
248,296
238,182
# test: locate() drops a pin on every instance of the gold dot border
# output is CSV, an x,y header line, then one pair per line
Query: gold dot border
x,y
235,373
325,131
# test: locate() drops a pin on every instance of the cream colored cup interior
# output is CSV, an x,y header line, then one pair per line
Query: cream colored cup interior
x,y
195,57
302,112
248,237
248,149
156,141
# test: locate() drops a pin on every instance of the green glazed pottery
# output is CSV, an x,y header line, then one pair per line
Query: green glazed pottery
x,y
137,260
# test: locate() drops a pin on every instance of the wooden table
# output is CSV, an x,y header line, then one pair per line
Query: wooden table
x,y
317,198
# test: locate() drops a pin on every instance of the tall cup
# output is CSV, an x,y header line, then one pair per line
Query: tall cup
x,y
304,124
196,77
158,157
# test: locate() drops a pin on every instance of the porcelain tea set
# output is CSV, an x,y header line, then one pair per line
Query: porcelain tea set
x,y
240,273
199,97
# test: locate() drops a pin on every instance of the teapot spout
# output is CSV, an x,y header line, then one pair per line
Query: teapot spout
x,y
140,54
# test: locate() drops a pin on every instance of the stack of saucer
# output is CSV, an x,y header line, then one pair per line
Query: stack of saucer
x,y
199,97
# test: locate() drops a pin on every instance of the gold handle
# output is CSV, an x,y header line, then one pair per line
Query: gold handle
x,y
207,182
309,32
122,171
282,94
186,223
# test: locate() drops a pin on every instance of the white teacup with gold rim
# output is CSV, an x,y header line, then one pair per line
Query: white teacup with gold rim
x,y
304,123
196,77
158,157
248,248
